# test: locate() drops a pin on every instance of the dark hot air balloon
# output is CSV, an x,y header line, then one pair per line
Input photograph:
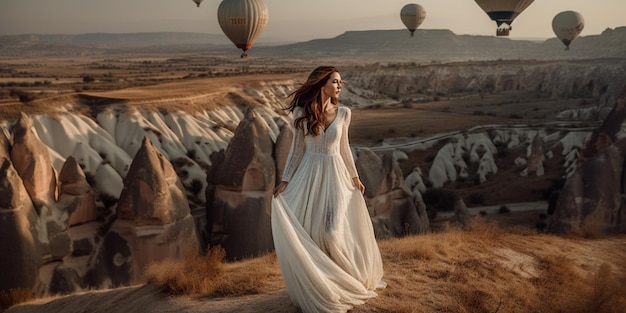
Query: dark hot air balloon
x,y
198,2
503,12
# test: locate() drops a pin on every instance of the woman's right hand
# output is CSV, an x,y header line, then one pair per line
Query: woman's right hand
x,y
280,188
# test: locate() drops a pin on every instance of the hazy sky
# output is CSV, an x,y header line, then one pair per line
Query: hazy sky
x,y
294,20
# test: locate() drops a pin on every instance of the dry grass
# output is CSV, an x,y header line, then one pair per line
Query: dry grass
x,y
13,296
488,269
209,276
482,268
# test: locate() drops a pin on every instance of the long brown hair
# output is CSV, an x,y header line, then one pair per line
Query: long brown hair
x,y
309,97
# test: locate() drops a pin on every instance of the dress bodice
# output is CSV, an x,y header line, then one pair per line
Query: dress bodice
x,y
331,141
328,141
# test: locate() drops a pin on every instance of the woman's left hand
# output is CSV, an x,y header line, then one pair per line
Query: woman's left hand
x,y
358,184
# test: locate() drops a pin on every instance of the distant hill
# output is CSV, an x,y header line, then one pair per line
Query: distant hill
x,y
99,43
113,40
427,44
445,45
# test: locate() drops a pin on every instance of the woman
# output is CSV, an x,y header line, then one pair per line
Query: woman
x,y
322,230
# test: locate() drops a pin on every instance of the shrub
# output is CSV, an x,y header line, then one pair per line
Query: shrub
x,y
555,186
503,149
108,200
22,95
440,199
504,209
477,198
195,186
541,226
191,153
91,178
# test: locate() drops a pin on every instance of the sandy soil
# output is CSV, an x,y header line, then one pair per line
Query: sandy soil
x,y
147,298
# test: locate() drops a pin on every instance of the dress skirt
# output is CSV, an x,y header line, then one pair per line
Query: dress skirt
x,y
324,238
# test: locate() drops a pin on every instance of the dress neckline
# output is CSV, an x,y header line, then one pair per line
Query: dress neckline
x,y
333,122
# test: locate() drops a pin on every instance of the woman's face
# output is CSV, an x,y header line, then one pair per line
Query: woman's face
x,y
332,86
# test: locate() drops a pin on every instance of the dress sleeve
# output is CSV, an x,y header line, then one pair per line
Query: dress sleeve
x,y
344,148
297,149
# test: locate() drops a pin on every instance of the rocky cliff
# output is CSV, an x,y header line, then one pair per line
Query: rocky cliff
x,y
558,79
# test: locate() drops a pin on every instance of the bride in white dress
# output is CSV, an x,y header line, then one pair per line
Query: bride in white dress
x,y
322,230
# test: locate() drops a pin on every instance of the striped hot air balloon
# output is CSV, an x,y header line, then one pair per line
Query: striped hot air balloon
x,y
503,12
242,21
412,16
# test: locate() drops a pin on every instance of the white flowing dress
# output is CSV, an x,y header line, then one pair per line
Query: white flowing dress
x,y
322,230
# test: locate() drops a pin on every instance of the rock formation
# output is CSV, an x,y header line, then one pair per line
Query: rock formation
x,y
76,197
535,159
607,133
31,160
461,213
394,210
153,215
72,234
240,191
592,199
19,231
5,146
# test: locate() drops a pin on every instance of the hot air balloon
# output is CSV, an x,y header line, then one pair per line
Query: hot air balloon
x,y
503,12
242,21
198,2
412,15
567,25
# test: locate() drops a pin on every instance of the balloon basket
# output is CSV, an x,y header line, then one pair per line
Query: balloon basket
x,y
502,32
503,29
244,55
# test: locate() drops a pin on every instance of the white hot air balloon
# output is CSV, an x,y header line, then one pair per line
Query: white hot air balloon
x,y
198,2
412,16
503,12
567,25
242,21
